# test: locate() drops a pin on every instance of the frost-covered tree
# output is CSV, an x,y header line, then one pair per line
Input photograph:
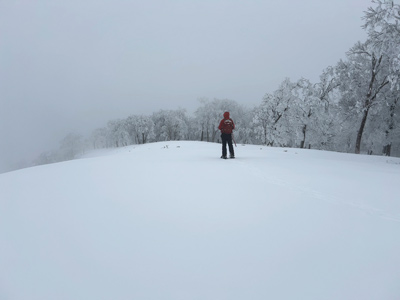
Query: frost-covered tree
x,y
327,118
170,125
118,133
362,79
99,138
70,146
194,132
47,157
383,27
205,120
269,120
261,122
302,115
210,113
140,128
384,126
299,113
242,117
244,132
392,122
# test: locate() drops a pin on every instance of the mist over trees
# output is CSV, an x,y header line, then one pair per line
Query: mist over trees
x,y
353,108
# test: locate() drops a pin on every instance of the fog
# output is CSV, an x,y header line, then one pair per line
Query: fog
x,y
71,66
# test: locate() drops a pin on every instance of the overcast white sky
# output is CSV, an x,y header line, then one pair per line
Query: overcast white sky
x,y
73,65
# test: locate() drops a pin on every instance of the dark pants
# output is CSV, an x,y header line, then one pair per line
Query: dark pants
x,y
227,138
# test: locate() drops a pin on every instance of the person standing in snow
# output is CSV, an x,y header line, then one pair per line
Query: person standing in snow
x,y
226,126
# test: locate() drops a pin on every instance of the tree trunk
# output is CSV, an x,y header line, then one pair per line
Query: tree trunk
x,y
387,149
361,130
265,135
214,134
303,142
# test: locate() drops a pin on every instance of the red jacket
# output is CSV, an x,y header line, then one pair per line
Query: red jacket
x,y
226,125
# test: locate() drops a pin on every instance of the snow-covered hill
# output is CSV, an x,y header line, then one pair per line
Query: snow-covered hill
x,y
172,220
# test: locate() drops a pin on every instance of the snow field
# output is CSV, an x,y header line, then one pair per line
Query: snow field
x,y
172,220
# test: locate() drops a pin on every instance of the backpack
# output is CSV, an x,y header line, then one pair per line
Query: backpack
x,y
227,126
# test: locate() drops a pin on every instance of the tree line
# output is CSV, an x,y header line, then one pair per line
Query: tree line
x,y
353,108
